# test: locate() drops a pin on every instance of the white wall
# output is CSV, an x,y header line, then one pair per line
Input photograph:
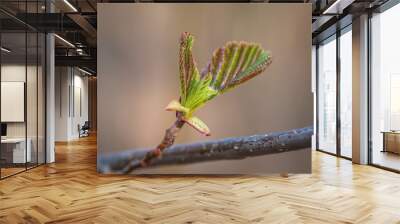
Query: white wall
x,y
79,117
61,103
69,84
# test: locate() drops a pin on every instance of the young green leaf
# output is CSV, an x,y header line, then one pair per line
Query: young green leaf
x,y
176,106
230,66
241,62
198,124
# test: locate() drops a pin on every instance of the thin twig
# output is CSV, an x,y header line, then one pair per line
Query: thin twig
x,y
235,148
168,140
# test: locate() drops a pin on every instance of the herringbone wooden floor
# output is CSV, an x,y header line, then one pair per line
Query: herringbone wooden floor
x,y
70,191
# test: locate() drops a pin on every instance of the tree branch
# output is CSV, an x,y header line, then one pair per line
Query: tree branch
x,y
235,148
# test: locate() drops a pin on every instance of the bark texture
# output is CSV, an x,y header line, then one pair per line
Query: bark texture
x,y
168,140
235,148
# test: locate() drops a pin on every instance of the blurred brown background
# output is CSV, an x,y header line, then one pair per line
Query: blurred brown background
x,y
138,76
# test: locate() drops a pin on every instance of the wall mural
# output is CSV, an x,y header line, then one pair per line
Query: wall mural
x,y
229,67
261,127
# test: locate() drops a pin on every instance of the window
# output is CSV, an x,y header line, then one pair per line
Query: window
x,y
385,89
334,106
22,101
327,95
346,92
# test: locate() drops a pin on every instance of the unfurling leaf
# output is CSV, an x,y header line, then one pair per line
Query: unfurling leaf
x,y
176,106
187,64
199,92
236,63
198,124
230,66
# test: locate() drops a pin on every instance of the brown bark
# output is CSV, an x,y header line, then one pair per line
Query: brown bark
x,y
168,140
235,148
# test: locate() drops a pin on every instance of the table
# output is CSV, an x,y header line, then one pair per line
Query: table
x,y
13,150
391,141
